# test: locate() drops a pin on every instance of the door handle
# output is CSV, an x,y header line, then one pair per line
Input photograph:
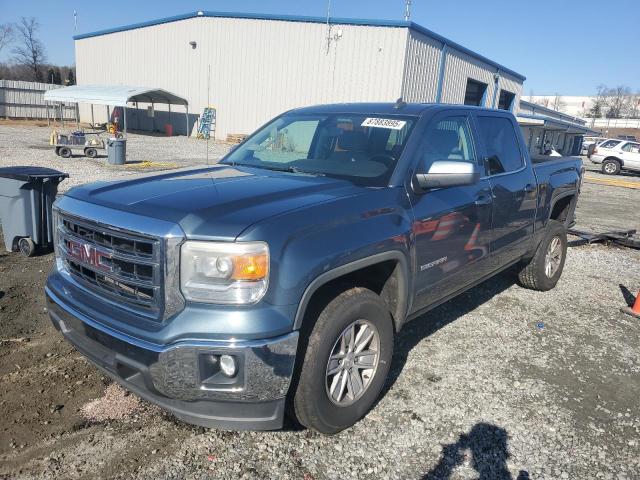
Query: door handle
x,y
530,188
484,199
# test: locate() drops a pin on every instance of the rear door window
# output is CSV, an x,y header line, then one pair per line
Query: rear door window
x,y
501,145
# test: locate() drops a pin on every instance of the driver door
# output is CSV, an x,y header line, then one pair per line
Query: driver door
x,y
451,225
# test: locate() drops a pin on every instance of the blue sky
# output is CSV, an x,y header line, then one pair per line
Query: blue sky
x,y
561,46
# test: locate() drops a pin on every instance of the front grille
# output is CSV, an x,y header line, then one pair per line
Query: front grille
x,y
122,267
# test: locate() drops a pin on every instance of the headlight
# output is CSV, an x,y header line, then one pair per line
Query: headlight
x,y
227,273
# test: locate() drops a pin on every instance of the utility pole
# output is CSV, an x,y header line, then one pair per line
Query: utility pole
x,y
407,10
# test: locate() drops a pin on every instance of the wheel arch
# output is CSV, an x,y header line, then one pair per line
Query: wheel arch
x,y
614,158
562,206
394,289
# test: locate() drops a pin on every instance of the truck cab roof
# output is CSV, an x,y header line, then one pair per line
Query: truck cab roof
x,y
387,108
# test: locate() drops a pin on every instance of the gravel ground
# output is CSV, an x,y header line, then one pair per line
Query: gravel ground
x,y
29,145
500,383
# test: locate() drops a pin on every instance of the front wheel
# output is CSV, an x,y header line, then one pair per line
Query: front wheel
x,y
543,271
346,361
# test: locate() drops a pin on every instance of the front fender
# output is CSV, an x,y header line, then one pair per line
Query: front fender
x,y
313,245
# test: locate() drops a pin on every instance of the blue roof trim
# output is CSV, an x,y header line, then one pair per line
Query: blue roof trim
x,y
309,19
535,106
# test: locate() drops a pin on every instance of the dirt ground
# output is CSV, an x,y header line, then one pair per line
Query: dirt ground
x,y
499,383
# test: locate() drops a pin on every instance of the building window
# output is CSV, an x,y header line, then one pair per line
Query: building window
x,y
505,101
474,95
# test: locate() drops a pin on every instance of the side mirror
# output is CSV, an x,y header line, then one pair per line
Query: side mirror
x,y
447,173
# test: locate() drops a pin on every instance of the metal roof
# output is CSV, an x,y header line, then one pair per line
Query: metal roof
x,y
309,19
117,95
552,123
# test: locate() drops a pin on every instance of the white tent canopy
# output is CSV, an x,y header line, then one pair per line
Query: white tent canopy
x,y
115,95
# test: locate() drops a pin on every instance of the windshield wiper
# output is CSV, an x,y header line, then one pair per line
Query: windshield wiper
x,y
281,168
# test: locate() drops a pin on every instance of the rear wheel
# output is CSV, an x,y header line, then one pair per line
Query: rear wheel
x,y
346,362
610,167
543,271
65,152
91,152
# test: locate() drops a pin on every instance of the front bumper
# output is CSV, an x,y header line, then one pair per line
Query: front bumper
x,y
180,378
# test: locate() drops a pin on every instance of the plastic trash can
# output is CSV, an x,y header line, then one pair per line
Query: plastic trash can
x,y
26,197
117,151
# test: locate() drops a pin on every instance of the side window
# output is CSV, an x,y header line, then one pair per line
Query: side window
x,y
448,139
631,147
501,143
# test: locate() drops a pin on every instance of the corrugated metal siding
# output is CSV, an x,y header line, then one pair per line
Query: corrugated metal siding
x,y
20,99
460,67
421,68
259,68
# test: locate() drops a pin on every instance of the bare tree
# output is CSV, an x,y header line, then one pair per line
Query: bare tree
x,y
30,50
618,101
558,103
598,103
6,35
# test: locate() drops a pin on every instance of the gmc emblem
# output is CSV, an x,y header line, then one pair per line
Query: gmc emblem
x,y
90,255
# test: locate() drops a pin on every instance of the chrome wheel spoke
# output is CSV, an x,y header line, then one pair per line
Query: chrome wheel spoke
x,y
356,382
366,359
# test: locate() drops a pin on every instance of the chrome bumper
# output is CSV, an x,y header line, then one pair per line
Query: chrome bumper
x,y
174,377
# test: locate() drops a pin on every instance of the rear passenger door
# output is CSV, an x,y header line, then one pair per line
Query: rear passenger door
x,y
513,188
631,156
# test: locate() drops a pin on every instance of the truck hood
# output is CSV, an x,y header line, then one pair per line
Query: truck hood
x,y
217,202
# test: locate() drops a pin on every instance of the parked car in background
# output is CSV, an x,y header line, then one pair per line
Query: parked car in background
x,y
283,273
620,156
631,138
588,141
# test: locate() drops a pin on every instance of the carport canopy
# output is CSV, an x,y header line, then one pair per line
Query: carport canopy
x,y
116,96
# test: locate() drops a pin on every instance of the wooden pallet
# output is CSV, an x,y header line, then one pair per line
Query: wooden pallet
x,y
236,137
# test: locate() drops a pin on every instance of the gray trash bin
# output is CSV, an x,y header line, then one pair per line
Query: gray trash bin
x,y
117,151
26,197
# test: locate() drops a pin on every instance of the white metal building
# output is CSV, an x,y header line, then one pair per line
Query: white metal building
x,y
251,67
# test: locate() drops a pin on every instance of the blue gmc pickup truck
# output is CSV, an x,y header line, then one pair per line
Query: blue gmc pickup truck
x,y
280,276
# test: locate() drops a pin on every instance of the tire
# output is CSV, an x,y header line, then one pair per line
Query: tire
x,y
26,247
91,152
536,274
65,152
610,167
313,406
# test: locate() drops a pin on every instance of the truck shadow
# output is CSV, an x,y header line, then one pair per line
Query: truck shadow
x,y
429,323
486,444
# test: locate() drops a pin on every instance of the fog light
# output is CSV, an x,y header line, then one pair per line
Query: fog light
x,y
228,365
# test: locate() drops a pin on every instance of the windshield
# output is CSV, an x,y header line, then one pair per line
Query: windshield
x,y
360,148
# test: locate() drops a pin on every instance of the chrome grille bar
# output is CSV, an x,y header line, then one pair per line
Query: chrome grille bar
x,y
122,267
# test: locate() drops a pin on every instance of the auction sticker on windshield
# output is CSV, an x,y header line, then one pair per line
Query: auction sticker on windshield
x,y
384,123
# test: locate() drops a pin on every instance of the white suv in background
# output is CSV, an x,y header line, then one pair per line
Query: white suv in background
x,y
617,155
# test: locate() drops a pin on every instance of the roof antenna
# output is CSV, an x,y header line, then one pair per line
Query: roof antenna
x,y
400,103
407,10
